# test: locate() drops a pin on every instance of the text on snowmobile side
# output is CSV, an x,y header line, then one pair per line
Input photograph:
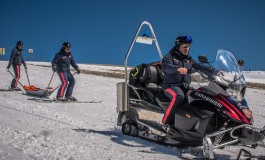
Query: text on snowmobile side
x,y
208,99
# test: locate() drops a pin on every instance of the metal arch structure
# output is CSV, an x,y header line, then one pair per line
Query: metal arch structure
x,y
128,53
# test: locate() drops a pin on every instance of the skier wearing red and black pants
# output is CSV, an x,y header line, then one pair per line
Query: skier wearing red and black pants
x,y
16,59
61,63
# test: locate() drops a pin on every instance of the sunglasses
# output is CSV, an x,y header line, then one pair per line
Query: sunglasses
x,y
67,49
185,46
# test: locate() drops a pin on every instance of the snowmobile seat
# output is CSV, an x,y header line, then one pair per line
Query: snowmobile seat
x,y
156,96
155,90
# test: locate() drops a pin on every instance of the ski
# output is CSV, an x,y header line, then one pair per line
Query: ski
x,y
8,90
57,101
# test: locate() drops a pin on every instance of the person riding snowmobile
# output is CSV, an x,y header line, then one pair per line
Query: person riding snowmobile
x,y
16,59
61,63
177,67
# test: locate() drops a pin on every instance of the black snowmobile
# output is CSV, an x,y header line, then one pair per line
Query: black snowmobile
x,y
210,116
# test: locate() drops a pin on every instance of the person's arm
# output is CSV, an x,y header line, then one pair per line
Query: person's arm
x,y
205,68
23,61
55,60
13,53
168,66
74,64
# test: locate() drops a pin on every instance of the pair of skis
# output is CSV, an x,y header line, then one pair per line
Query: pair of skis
x,y
54,100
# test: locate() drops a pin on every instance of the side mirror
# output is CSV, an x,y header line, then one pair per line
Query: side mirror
x,y
203,59
241,63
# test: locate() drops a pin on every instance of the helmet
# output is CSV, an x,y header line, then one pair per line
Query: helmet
x,y
183,39
19,43
66,44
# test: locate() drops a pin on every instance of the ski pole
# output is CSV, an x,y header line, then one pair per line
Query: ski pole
x,y
15,78
46,90
27,76
56,86
50,80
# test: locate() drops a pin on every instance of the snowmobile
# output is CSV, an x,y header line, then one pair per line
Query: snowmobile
x,y
211,115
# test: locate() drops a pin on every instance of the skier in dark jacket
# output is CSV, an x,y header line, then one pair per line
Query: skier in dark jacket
x,y
177,67
16,59
61,63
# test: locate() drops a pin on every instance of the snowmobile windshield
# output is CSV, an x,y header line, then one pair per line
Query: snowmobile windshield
x,y
229,74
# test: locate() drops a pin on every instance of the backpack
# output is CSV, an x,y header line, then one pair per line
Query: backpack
x,y
144,74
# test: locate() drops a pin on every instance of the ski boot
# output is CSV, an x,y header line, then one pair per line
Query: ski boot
x,y
14,89
71,98
62,99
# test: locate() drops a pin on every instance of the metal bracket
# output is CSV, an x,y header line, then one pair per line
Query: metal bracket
x,y
145,40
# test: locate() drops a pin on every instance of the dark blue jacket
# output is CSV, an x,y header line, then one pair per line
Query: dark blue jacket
x,y
16,57
63,60
174,60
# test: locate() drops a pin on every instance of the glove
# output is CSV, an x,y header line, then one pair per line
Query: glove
x,y
78,71
54,68
25,67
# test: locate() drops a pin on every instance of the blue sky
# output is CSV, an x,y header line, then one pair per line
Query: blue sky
x,y
101,31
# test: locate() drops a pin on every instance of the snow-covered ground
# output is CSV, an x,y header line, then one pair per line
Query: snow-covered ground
x,y
75,131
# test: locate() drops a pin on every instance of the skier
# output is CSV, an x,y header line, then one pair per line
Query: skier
x,y
177,67
16,58
61,63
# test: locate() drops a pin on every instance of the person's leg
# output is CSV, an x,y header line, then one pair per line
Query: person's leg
x,y
177,97
71,85
64,79
17,75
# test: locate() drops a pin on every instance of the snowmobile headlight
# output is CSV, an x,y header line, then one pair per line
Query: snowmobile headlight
x,y
235,94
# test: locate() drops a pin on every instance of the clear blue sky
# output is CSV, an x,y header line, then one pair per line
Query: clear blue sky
x,y
101,31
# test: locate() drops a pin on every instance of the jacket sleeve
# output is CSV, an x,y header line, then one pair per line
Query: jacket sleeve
x,y
55,60
14,52
168,66
73,63
23,61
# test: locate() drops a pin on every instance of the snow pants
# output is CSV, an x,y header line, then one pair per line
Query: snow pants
x,y
177,97
14,82
65,77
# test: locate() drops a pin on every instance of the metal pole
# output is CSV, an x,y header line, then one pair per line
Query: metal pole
x,y
27,76
129,51
50,80
16,79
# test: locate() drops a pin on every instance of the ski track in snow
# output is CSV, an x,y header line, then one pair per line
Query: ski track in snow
x,y
32,130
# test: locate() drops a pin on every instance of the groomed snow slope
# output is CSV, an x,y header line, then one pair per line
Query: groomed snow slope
x,y
32,130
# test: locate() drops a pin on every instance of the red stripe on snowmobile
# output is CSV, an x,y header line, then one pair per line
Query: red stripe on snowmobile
x,y
232,111
18,75
174,96
64,84
237,111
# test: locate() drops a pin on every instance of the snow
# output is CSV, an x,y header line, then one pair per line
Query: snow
x,y
255,76
76,131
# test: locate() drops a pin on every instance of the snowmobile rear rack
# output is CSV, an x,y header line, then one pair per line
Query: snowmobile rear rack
x,y
123,93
